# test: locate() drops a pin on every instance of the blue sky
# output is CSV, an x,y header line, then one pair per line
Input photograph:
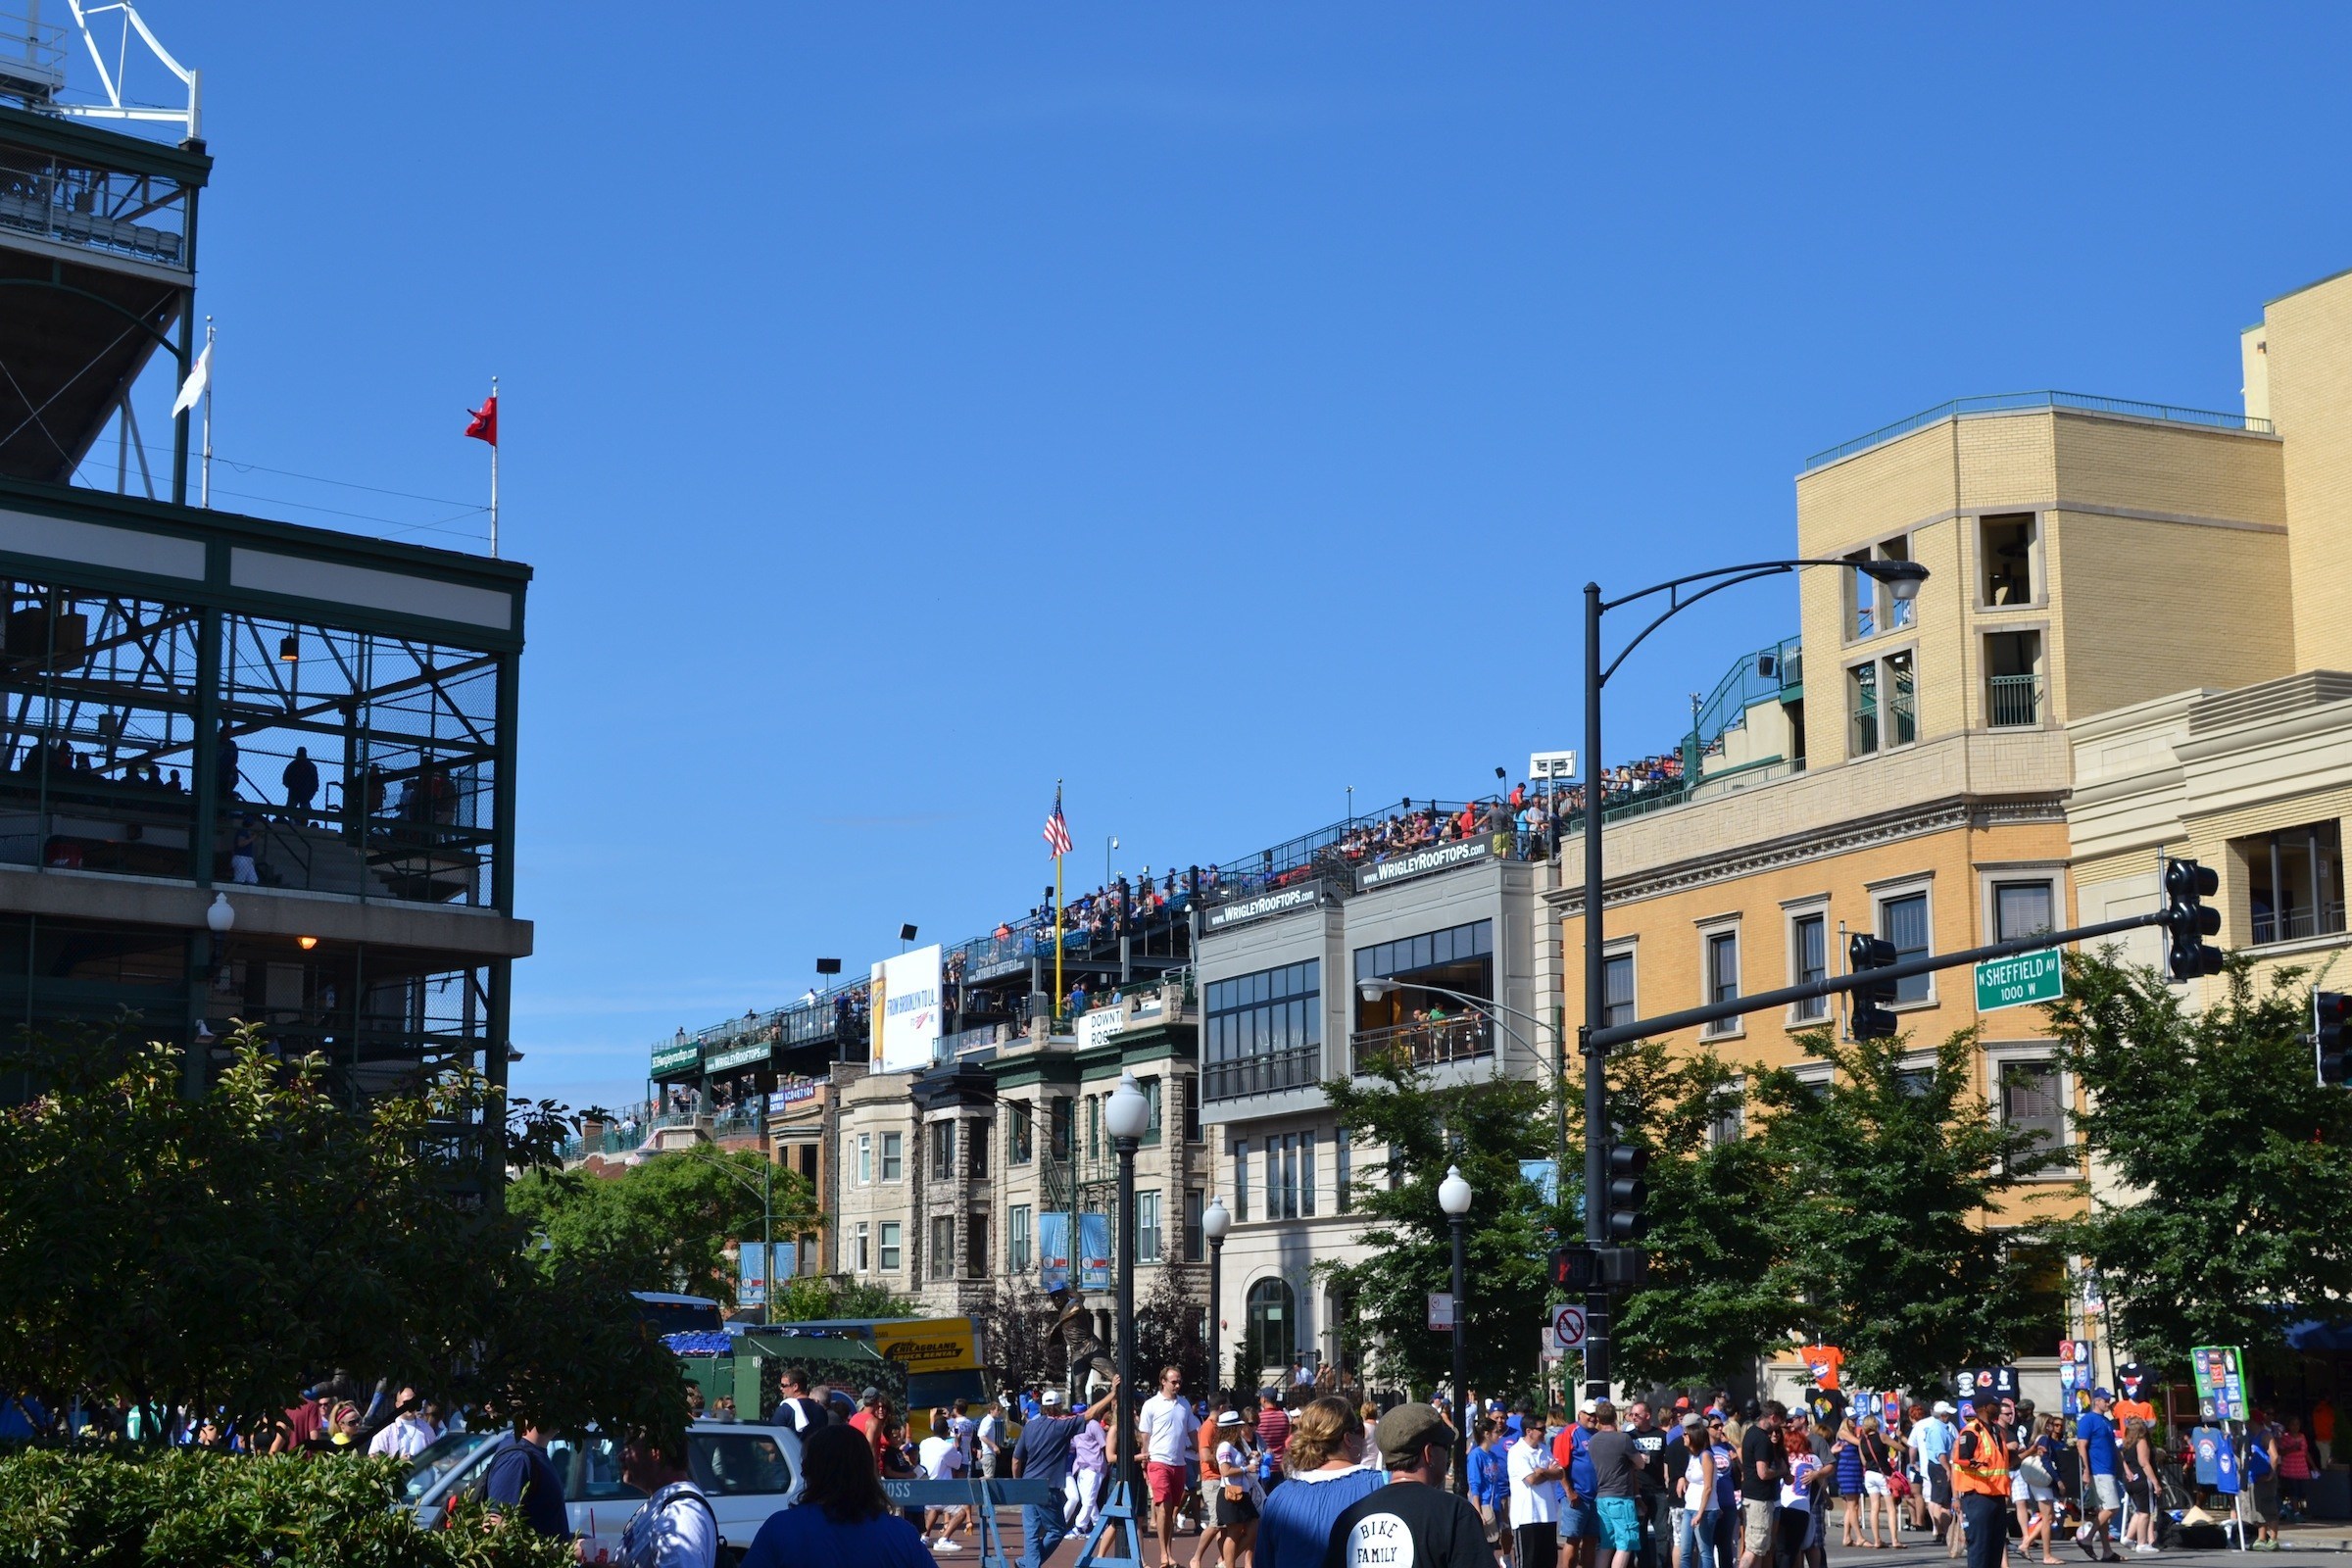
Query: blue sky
x,y
1214,406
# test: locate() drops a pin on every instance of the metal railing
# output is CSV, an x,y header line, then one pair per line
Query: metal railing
x,y
2012,402
735,1124
1746,684
1263,1073
1425,1045
2291,925
2013,700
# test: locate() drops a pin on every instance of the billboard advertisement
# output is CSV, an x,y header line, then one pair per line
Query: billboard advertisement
x,y
906,1017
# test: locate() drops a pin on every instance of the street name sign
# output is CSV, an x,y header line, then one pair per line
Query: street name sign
x,y
2015,981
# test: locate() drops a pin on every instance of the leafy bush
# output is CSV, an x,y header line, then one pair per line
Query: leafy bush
x,y
112,1509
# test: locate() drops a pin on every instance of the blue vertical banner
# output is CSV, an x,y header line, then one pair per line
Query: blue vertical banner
x,y
1094,1251
750,1285
1052,1249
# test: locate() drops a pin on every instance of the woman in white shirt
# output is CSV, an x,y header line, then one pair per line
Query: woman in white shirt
x,y
1242,1496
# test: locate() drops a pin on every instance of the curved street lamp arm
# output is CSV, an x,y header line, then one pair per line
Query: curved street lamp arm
x,y
1682,601
1757,568
731,1169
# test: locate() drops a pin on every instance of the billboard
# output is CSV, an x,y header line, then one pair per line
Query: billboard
x,y
905,1010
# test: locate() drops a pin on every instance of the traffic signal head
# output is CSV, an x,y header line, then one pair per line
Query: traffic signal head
x,y
2331,1035
1869,1018
1626,1191
2190,919
1574,1268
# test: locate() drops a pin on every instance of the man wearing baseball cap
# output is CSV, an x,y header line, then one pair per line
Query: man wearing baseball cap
x,y
1413,1519
2102,1479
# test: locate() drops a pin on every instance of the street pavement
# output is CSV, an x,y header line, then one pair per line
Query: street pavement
x,y
2321,1544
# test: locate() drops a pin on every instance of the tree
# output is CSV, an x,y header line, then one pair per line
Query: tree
x,y
1487,1129
1167,1330
223,1251
1717,1295
664,1225
2232,1170
1017,1322
815,1297
1893,1170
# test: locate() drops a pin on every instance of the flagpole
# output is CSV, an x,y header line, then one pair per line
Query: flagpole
x,y
204,478
494,478
1056,1012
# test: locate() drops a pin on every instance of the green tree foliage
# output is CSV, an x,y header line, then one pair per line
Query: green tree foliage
x,y
1718,1294
1892,1169
2234,1169
1167,1329
1487,1129
814,1297
1017,1322
663,1225
119,1510
222,1251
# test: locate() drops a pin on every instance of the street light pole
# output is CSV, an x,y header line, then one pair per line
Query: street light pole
x,y
1901,580
767,1217
1126,1115
1375,989
1454,1197
1215,1221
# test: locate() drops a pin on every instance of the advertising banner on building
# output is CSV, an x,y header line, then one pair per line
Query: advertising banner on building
x,y
750,1285
906,1017
1425,862
1094,1251
1052,1251
1241,912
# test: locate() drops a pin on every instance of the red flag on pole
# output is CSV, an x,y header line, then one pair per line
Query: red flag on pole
x,y
483,426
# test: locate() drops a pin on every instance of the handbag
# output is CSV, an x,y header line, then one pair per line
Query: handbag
x,y
1898,1485
2036,1473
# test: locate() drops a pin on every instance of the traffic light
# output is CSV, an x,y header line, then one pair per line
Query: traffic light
x,y
2331,1035
1573,1268
1869,1018
2186,887
1625,1192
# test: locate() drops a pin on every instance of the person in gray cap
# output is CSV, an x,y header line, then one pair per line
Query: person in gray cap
x,y
1413,1519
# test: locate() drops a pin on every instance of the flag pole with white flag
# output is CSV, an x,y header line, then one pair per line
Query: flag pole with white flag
x,y
199,384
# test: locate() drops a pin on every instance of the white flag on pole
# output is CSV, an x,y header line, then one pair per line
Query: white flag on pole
x,y
193,387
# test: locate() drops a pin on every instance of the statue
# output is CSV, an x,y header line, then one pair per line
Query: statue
x,y
1087,1368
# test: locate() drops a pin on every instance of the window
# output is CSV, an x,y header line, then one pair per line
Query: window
x,y
1262,1032
942,1151
2294,881
1727,1118
1146,1227
1458,959
1196,1243
2008,554
1903,921
1094,1127
894,1156
1343,1171
1059,1119
942,1247
1808,961
2032,1100
890,1246
1871,606
2020,908
1902,702
746,1463
2013,679
1616,989
1188,1090
978,1143
1151,1089
1016,1225
1289,1175
1862,702
1241,1180
1272,1315
1723,976
865,1158
1895,612
1881,703
858,1241
975,1247
1306,1174
1020,1137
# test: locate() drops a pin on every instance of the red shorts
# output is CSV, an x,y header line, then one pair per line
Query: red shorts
x,y
1167,1480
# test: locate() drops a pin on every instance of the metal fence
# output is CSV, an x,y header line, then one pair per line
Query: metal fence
x,y
1261,1074
1426,1044
2014,701
2011,401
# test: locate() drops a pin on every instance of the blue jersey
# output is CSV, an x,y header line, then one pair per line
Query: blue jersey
x,y
2096,1433
1580,1474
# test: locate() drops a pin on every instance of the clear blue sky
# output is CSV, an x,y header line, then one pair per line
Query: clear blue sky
x,y
1215,406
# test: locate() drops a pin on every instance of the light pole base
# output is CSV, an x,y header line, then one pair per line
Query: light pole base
x,y
1117,1523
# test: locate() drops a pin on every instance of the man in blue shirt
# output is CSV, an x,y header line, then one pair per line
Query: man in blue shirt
x,y
522,1478
2102,1477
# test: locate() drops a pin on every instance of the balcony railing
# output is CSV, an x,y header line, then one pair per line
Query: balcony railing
x,y
2014,702
1425,1045
2291,925
1264,1073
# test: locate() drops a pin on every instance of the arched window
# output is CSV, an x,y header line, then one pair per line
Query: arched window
x,y
1273,1323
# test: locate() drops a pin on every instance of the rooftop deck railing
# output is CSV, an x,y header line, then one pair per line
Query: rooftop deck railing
x,y
2020,402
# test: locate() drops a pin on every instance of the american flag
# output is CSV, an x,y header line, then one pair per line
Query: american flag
x,y
1058,830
